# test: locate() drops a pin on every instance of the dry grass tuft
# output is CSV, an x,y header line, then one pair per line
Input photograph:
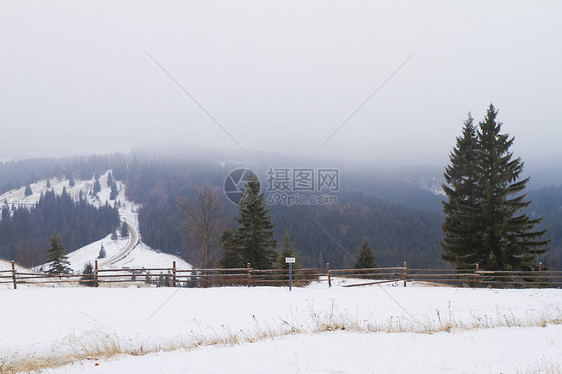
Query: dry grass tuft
x,y
544,367
105,343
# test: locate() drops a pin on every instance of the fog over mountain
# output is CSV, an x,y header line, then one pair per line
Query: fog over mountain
x,y
282,77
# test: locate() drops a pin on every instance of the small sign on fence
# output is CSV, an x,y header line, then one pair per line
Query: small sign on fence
x,y
290,261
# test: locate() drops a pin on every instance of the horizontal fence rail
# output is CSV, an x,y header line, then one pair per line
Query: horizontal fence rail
x,y
250,277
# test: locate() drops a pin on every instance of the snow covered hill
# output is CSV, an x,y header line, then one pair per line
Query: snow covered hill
x,y
128,252
140,256
7,265
17,196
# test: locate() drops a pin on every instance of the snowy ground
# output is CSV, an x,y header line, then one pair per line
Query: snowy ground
x,y
505,350
387,329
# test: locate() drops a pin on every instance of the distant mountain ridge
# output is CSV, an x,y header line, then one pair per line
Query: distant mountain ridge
x,y
401,213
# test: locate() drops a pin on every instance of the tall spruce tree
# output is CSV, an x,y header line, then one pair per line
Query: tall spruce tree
x,y
57,258
485,222
254,239
462,209
365,256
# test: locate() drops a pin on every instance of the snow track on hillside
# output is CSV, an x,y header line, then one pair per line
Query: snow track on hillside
x,y
133,241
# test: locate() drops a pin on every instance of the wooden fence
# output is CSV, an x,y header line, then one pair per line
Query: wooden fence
x,y
248,276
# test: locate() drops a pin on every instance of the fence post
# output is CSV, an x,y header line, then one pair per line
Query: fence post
x,y
477,276
329,274
96,282
405,273
174,274
14,275
540,271
249,273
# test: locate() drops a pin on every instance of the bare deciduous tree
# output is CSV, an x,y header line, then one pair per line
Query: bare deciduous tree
x,y
202,223
28,254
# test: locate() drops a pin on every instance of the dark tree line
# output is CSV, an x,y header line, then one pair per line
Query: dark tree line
x,y
333,233
156,184
547,203
321,233
14,174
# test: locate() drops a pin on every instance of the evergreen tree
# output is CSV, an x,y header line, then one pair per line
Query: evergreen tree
x,y
28,191
5,213
102,253
365,256
114,235
57,258
485,220
462,208
48,183
88,275
97,186
253,240
109,179
286,250
231,254
71,182
114,192
124,230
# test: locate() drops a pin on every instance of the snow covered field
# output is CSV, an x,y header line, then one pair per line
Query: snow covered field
x,y
374,329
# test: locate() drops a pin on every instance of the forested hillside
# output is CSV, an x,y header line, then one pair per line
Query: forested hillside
x,y
320,233
333,233
24,234
401,219
15,174
547,203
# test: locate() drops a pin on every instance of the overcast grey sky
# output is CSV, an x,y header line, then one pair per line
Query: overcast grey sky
x,y
280,76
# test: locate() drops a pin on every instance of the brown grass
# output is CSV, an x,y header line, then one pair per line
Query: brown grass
x,y
105,343
544,367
